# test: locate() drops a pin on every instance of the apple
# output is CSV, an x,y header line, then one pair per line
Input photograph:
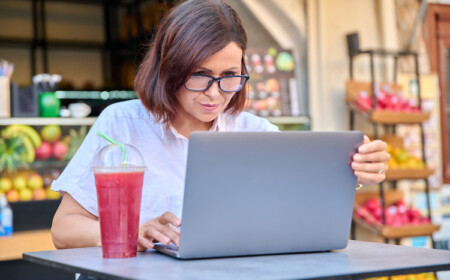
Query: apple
x,y
373,204
51,133
59,150
5,184
25,194
12,195
35,181
39,194
19,183
44,151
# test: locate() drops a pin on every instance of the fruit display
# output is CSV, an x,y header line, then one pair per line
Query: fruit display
x,y
397,214
273,86
17,146
402,159
26,185
31,158
55,146
387,100
420,276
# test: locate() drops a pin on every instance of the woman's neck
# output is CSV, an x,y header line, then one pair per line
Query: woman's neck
x,y
186,126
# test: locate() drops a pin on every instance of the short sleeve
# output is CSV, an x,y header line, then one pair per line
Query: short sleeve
x,y
77,178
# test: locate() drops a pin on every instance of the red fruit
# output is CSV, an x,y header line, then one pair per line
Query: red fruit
x,y
373,204
44,151
60,150
363,101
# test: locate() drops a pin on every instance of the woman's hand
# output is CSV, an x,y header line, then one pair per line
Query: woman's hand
x,y
162,229
369,163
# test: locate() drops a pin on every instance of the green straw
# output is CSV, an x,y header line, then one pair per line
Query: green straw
x,y
115,142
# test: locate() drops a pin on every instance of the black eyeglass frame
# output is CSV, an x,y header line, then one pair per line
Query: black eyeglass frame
x,y
213,79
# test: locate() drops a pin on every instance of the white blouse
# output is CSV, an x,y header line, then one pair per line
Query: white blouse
x,y
163,148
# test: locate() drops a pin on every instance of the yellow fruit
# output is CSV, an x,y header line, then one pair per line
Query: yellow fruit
x,y
19,183
25,194
52,194
23,130
392,164
5,184
35,181
29,148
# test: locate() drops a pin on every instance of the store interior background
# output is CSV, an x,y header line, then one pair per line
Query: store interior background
x,y
315,31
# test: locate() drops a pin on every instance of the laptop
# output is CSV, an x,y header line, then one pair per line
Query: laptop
x,y
255,193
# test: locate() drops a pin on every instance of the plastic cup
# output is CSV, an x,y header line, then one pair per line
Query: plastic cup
x,y
118,181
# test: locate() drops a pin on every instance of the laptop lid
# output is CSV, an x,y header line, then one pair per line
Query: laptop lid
x,y
249,193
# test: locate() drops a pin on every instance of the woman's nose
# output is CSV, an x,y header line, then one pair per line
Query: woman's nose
x,y
213,91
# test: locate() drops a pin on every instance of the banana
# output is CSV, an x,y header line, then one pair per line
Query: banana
x,y
23,130
29,147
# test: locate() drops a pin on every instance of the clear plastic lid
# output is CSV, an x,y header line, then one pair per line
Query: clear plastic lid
x,y
117,157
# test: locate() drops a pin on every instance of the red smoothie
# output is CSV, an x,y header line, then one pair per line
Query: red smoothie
x,y
119,205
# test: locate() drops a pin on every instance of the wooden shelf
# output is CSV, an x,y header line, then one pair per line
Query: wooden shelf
x,y
353,89
385,117
12,247
406,174
398,232
390,197
45,121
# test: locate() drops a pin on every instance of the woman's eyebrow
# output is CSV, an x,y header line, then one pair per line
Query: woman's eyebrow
x,y
234,68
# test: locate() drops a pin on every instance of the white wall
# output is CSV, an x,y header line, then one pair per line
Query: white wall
x,y
328,23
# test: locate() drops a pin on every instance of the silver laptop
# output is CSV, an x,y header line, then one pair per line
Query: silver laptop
x,y
252,193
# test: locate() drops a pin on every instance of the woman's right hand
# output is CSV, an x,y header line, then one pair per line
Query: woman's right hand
x,y
161,229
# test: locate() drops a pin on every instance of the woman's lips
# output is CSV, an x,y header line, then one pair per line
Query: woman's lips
x,y
210,107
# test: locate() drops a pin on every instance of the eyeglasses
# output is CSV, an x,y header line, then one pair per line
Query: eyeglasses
x,y
229,84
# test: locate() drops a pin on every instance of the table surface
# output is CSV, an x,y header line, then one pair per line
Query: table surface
x,y
359,260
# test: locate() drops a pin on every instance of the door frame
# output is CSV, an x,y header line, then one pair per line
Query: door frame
x,y
437,43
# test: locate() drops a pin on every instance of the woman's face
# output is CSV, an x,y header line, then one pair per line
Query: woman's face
x,y
204,107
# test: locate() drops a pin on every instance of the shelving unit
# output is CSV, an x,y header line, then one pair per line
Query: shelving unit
x,y
389,119
46,121
91,120
115,52
388,232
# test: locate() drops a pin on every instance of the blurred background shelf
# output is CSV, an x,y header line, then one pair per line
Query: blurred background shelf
x,y
47,121
398,232
289,120
382,117
13,246
408,174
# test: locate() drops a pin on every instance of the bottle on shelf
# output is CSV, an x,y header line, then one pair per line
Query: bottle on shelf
x,y
6,217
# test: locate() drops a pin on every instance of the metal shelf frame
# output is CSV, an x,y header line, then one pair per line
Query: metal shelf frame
x,y
395,55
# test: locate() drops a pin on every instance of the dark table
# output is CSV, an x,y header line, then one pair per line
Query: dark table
x,y
359,260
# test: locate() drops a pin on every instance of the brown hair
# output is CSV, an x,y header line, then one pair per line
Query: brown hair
x,y
186,37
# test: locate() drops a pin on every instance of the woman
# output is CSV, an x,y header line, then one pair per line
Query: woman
x,y
192,79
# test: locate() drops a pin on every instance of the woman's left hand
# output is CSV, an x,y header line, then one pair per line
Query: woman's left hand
x,y
369,163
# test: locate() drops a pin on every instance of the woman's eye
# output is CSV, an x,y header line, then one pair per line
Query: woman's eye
x,y
230,74
199,73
